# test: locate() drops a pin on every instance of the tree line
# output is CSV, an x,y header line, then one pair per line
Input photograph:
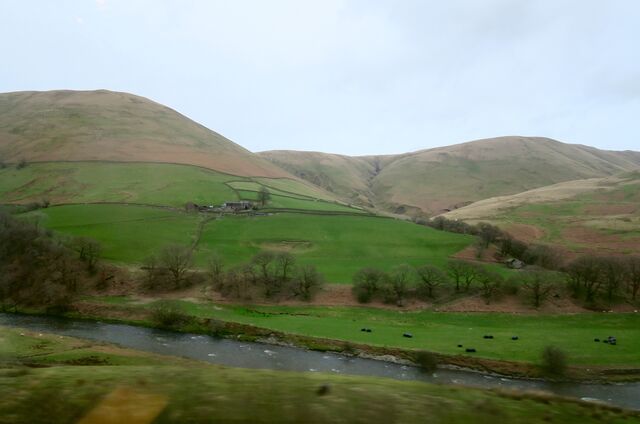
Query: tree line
x,y
268,275
508,247
589,278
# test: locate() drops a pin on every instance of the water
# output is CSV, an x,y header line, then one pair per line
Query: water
x,y
256,355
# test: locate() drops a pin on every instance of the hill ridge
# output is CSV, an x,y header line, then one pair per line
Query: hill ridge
x,y
109,125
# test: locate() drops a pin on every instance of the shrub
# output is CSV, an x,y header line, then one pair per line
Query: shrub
x,y
554,361
427,361
169,316
366,284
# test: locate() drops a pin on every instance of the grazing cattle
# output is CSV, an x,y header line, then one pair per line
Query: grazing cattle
x,y
459,345
605,341
368,330
407,335
515,338
488,336
470,350
363,329
596,339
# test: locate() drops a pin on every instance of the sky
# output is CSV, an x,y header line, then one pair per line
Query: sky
x,y
346,76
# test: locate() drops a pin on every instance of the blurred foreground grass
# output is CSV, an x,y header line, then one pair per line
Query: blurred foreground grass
x,y
53,379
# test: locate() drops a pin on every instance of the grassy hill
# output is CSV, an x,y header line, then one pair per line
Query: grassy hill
x,y
105,125
347,177
430,181
154,184
600,214
120,169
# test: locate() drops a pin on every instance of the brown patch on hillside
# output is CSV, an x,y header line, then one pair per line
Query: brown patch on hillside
x,y
525,232
611,209
593,239
469,254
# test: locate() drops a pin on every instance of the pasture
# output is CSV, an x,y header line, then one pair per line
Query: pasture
x,y
442,332
152,184
337,245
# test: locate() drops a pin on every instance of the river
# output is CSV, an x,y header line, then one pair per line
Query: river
x,y
234,353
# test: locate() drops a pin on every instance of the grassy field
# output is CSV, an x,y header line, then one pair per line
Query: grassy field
x,y
337,245
165,389
154,184
442,332
128,234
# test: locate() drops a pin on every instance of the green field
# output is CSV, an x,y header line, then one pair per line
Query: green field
x,y
153,184
128,234
176,390
442,332
337,245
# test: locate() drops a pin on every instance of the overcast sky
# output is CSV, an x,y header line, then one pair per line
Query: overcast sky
x,y
352,77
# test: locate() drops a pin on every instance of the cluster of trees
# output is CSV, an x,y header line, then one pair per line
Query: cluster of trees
x,y
508,247
37,269
268,275
170,269
594,277
424,282
428,282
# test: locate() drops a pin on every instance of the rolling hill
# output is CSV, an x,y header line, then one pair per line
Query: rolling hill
x,y
435,180
110,126
120,169
595,214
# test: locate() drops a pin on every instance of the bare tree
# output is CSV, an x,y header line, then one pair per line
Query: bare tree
x,y
89,251
633,275
462,273
397,283
585,274
265,263
366,284
263,196
538,285
215,268
177,260
613,275
489,282
285,262
429,278
307,282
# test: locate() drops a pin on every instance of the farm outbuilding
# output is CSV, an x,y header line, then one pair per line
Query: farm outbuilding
x,y
242,205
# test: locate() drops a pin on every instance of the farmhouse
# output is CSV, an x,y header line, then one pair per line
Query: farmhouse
x,y
242,205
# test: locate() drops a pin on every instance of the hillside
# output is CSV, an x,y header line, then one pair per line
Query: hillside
x,y
434,180
600,214
111,126
347,177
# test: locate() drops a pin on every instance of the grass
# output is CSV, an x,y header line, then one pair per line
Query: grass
x,y
152,184
606,209
128,234
176,390
337,245
442,332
